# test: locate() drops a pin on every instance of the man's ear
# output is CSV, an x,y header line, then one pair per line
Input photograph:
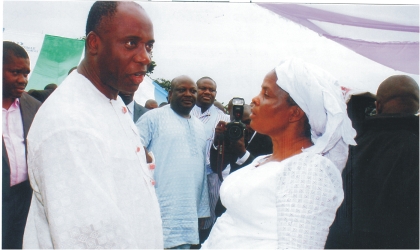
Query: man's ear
x,y
169,95
92,42
296,113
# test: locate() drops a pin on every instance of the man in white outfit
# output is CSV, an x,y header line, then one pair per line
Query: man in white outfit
x,y
87,166
209,115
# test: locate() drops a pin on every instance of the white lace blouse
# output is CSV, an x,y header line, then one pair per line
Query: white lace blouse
x,y
288,204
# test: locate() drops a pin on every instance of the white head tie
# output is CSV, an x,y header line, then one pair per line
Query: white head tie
x,y
318,94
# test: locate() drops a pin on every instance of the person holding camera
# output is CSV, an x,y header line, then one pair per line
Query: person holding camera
x,y
209,115
242,143
232,153
288,199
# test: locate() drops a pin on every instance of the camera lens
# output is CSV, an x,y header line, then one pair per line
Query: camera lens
x,y
235,132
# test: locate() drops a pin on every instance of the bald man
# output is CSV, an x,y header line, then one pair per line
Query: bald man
x,y
151,104
398,94
177,140
381,178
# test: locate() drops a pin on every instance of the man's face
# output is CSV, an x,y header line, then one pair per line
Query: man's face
x,y
125,48
15,76
183,96
206,93
247,121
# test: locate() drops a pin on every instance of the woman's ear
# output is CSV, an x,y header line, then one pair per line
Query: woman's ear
x,y
296,114
92,42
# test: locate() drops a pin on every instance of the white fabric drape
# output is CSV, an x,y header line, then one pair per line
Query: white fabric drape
x,y
318,94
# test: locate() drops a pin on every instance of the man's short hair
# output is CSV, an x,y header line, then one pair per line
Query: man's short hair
x,y
98,11
10,48
206,77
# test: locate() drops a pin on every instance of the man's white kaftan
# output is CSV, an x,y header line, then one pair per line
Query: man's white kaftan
x,y
87,167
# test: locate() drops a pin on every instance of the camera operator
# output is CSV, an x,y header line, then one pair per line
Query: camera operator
x,y
236,153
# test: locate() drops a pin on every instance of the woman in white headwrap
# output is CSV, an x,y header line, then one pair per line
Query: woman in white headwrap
x,y
289,199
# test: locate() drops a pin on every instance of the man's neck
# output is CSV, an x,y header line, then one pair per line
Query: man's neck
x,y
203,108
180,113
7,102
91,75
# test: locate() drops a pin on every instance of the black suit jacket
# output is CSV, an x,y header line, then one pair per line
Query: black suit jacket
x,y
380,209
15,208
259,145
138,111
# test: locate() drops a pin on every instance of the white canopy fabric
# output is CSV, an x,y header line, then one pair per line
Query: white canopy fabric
x,y
234,43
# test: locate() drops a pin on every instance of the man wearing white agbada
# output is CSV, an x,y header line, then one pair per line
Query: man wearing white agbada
x,y
87,166
289,199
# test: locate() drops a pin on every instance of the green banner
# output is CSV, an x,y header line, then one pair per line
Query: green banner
x,y
58,55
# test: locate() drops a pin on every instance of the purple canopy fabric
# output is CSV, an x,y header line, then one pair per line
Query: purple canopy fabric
x,y
401,55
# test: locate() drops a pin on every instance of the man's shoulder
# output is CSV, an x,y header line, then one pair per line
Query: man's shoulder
x,y
390,124
29,103
156,113
29,99
197,121
220,114
140,107
195,111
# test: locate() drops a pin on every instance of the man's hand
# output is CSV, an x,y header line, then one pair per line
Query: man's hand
x,y
238,147
219,131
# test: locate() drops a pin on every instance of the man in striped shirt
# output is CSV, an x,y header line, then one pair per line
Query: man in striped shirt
x,y
210,115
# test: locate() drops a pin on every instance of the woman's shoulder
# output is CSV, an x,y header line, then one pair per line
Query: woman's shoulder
x,y
313,169
312,159
310,162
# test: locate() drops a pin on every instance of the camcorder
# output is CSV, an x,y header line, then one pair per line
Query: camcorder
x,y
235,129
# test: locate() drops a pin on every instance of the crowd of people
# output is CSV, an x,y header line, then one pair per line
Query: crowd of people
x,y
107,172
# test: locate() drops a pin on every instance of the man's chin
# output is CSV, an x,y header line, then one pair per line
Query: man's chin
x,y
205,104
18,94
188,105
130,89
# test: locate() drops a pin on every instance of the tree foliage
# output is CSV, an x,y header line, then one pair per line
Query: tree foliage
x,y
150,68
165,84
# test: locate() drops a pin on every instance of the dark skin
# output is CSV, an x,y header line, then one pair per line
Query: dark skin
x,y
15,78
272,115
127,97
206,94
398,94
118,53
183,95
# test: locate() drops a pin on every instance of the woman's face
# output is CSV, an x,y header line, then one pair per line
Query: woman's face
x,y
270,109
